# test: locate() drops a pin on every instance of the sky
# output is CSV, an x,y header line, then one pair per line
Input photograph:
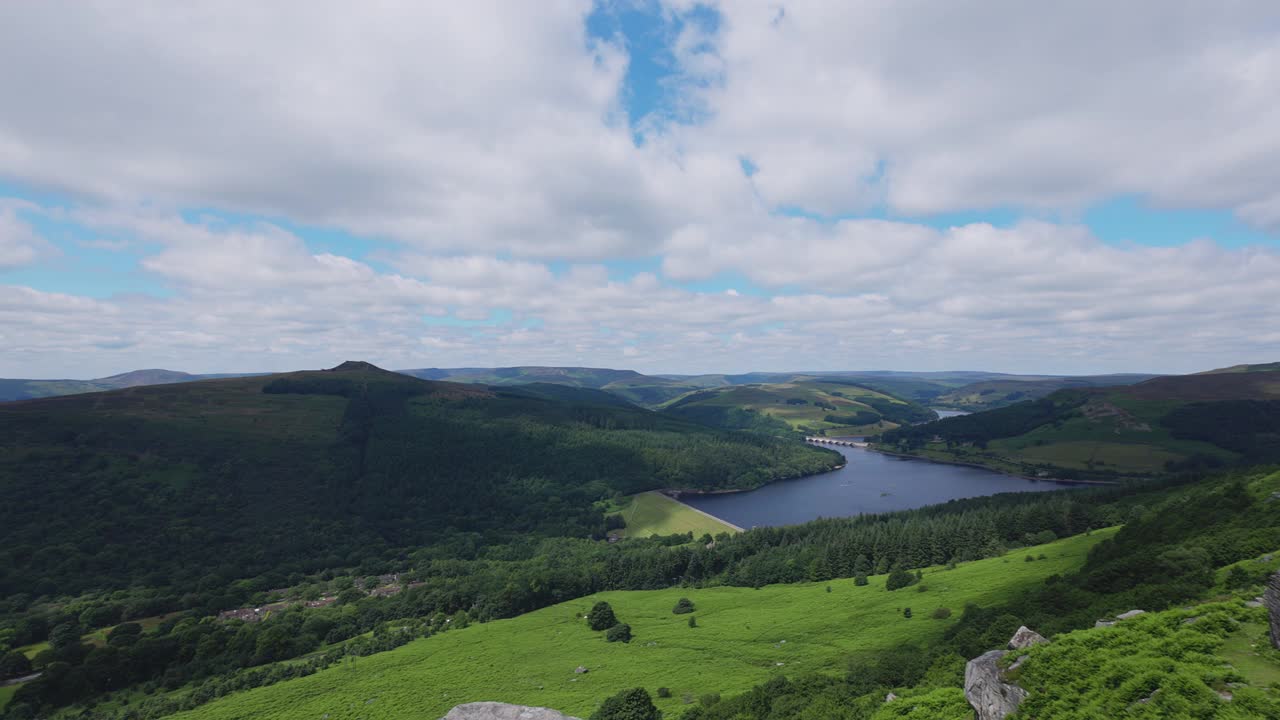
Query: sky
x,y
667,185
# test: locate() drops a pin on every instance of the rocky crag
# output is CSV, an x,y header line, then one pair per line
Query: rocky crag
x,y
503,711
984,682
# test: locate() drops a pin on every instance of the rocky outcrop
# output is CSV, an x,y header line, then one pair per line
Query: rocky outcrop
x,y
503,711
1271,598
984,687
1025,638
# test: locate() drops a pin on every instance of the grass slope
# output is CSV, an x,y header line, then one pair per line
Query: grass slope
x,y
813,407
991,394
743,637
653,513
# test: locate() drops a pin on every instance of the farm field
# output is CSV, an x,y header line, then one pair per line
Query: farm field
x,y
743,636
653,513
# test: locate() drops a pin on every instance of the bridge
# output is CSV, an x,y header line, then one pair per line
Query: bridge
x,y
832,441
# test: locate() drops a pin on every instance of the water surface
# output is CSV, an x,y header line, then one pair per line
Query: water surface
x,y
870,483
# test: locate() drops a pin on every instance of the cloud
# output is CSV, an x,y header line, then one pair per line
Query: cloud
x,y
19,244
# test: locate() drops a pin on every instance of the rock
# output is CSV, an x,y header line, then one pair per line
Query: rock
x,y
1104,623
1025,638
1130,614
580,669
890,698
503,711
984,687
1271,598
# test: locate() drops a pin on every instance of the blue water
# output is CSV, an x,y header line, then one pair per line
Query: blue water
x,y
870,483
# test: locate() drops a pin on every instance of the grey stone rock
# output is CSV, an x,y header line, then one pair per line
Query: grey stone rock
x,y
1271,598
1130,614
890,698
1104,623
503,711
1025,638
984,687
581,669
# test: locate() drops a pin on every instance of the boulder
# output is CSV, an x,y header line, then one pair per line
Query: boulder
x,y
1025,638
1130,614
580,669
1271,598
503,711
984,687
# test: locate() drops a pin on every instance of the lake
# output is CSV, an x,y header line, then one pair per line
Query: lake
x,y
871,482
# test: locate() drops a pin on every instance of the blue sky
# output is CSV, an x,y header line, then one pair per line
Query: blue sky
x,y
677,188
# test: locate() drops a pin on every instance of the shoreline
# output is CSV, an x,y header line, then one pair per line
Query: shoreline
x,y
979,466
700,512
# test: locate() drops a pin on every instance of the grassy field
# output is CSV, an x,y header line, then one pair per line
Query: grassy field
x,y
653,513
743,636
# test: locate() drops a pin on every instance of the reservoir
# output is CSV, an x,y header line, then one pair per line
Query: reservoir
x,y
870,482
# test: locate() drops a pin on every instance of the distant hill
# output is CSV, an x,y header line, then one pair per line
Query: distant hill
x,y
195,485
810,407
1164,423
11,389
990,394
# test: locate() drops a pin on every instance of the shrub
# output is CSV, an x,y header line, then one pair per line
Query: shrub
x,y
899,578
709,699
633,704
1030,559
664,692
619,633
1238,577
942,613
906,612
922,588
693,621
860,579
683,606
601,617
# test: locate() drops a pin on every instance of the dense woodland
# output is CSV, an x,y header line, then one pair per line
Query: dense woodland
x,y
194,487
467,581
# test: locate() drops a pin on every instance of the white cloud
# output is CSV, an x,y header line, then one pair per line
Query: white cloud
x,y
19,245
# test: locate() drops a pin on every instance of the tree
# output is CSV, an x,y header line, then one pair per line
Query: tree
x,y
942,613
693,621
683,606
899,578
14,664
633,704
906,612
619,633
1238,577
860,579
601,617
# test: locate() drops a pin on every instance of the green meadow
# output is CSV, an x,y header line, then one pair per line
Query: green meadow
x,y
743,637
653,513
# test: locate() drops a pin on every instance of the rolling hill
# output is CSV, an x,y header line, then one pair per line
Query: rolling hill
x,y
996,393
810,407
1164,423
203,483
28,389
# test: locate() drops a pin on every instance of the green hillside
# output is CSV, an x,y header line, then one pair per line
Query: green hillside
x,y
1166,423
743,637
809,407
991,394
200,484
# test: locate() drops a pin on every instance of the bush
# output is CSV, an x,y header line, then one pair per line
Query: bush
x,y
683,606
860,579
693,621
633,704
1238,577
899,578
14,664
906,612
664,692
709,699
942,613
619,633
922,588
601,617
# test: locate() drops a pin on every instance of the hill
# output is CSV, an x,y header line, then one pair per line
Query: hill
x,y
27,389
1164,423
196,485
743,636
996,393
810,407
